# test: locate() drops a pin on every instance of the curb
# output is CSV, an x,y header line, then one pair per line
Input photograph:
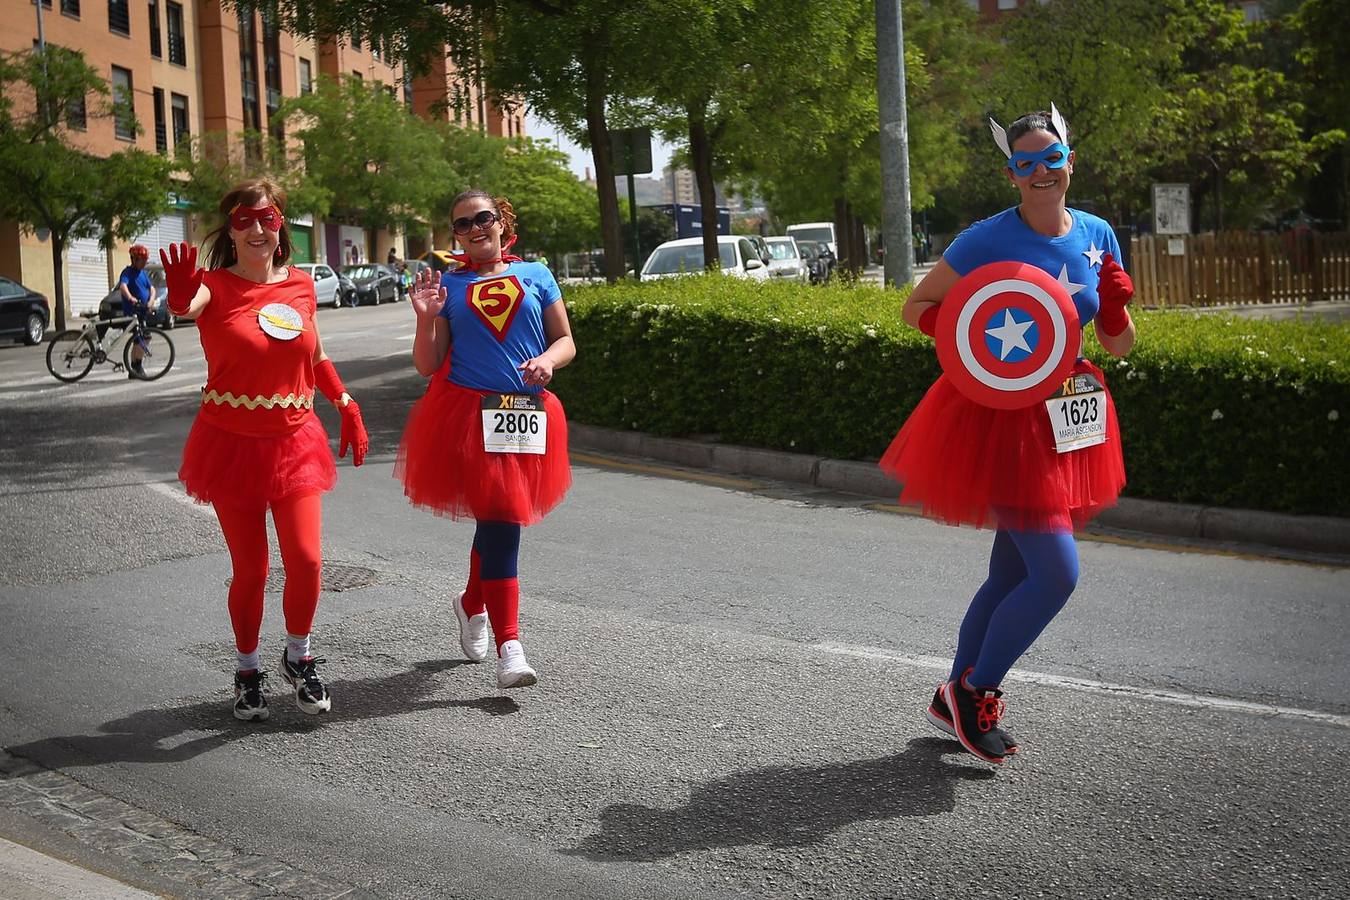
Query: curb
x,y
1312,534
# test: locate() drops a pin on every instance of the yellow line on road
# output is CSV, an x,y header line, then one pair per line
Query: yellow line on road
x,y
735,484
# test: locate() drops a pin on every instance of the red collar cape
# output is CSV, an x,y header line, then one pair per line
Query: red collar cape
x,y
468,265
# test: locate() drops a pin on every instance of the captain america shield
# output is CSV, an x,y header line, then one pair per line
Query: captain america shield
x,y
1007,334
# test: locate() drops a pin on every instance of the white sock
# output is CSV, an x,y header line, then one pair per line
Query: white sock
x,y
249,661
297,646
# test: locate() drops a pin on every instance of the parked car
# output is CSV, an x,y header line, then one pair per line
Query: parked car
x,y
328,285
110,307
816,231
440,260
762,248
819,260
787,262
23,313
375,283
685,257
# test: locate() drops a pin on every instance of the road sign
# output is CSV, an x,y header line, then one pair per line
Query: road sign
x,y
631,150
1007,335
1171,209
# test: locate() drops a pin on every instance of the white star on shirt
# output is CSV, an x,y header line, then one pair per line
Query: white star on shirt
x,y
1093,254
1072,287
1012,334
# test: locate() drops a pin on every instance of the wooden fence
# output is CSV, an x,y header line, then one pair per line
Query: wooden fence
x,y
1240,267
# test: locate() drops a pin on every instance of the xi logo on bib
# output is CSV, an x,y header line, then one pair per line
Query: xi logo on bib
x,y
1007,335
496,301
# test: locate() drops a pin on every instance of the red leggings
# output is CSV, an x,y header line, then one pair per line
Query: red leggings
x,y
298,520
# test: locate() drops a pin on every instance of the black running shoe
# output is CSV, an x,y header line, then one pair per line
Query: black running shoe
x,y
940,716
310,694
975,719
249,703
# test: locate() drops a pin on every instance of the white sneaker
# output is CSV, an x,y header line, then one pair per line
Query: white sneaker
x,y
473,631
512,669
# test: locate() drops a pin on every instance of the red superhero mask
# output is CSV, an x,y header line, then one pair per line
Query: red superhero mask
x,y
243,217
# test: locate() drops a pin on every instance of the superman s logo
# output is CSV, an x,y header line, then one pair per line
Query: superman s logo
x,y
496,301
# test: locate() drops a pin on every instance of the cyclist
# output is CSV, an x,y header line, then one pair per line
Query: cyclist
x,y
138,297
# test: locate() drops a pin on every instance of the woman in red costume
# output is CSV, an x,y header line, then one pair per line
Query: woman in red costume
x,y
487,441
256,442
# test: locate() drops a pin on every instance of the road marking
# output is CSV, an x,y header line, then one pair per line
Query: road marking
x,y
1156,695
165,489
735,484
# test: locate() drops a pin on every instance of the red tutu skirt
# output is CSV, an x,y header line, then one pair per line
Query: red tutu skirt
x,y
967,464
221,466
444,468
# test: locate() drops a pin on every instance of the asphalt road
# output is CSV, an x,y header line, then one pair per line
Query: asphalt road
x,y
733,676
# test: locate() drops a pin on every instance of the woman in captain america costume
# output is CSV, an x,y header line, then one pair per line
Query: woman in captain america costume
x,y
967,463
256,443
487,441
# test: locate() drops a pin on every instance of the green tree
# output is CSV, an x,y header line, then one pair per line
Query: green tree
x,y
214,162
1324,72
47,182
379,166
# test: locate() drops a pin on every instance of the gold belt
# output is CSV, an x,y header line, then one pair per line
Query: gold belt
x,y
296,401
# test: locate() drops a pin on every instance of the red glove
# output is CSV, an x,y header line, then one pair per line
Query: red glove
x,y
1114,290
182,278
928,321
353,428
353,433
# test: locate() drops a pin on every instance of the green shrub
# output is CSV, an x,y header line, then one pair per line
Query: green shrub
x,y
1213,409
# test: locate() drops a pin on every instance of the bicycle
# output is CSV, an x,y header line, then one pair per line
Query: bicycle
x,y
73,352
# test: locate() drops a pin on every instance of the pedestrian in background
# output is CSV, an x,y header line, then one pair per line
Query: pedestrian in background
x,y
970,464
487,441
256,443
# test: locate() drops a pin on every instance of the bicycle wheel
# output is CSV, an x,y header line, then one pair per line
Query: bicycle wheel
x,y
70,355
156,352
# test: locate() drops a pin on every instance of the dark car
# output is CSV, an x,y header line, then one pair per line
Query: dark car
x,y
110,307
375,283
23,313
819,260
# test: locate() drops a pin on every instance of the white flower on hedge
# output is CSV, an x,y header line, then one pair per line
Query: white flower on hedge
x,y
1246,378
1216,415
606,354
792,443
1262,353
1333,416
821,328
870,332
839,365
774,319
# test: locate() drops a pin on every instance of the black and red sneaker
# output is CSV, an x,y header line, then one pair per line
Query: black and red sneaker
x,y
975,715
939,715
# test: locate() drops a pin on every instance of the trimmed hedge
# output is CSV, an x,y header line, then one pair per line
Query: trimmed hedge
x,y
1214,409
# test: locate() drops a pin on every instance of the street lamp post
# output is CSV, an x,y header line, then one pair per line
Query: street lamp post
x,y
896,222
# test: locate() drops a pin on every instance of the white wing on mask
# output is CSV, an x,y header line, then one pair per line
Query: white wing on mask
x,y
1061,127
1000,138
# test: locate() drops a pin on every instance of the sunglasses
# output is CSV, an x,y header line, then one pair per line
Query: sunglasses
x,y
242,218
464,224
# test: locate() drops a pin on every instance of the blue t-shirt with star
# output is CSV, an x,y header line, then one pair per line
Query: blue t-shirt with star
x,y
1078,254
497,323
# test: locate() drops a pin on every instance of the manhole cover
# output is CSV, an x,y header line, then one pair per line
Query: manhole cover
x,y
336,577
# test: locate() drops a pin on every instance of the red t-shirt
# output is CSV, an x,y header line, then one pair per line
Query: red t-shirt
x,y
256,384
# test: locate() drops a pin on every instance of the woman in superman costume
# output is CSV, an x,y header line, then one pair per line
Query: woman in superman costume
x,y
256,442
965,463
487,441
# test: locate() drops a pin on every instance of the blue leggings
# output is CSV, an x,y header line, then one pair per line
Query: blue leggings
x,y
498,546
1031,575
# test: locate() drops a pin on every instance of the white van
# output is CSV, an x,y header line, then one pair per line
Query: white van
x,y
685,257
815,231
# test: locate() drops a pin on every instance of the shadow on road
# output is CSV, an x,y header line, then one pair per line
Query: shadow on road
x,y
786,806
148,735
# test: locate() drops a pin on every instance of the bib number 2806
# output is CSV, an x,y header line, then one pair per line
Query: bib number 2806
x,y
514,423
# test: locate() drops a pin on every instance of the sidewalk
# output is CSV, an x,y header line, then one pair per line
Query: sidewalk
x,y
1324,535
26,874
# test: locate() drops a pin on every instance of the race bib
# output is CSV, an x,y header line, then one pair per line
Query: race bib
x,y
1078,413
514,423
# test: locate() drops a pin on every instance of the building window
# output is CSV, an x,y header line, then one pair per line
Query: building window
x,y
69,7
306,77
356,41
161,130
155,50
248,71
119,17
272,75
177,43
407,90
1007,4
178,111
124,122
76,115
357,75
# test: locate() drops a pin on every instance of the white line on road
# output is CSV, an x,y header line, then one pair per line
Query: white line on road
x,y
173,493
1157,695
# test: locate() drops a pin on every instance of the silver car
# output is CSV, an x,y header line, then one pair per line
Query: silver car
x,y
786,262
327,285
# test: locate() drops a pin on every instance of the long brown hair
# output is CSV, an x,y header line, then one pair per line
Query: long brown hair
x,y
220,252
500,204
